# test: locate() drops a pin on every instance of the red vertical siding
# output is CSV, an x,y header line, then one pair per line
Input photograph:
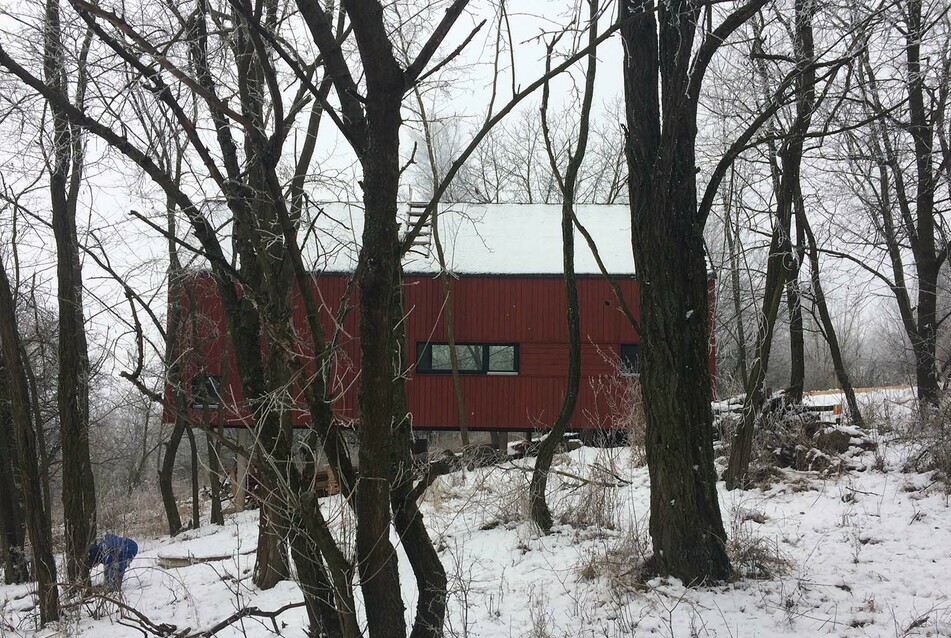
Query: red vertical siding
x,y
527,310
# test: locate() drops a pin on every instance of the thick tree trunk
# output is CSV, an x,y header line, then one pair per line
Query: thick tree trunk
x,y
921,127
271,468
667,235
37,516
340,570
317,590
379,277
13,541
685,524
79,492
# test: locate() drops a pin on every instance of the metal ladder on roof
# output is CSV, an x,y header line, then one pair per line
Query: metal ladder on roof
x,y
422,243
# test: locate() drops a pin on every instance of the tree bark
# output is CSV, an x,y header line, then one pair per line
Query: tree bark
x,y
13,542
380,365
166,476
797,347
79,492
662,80
193,446
37,516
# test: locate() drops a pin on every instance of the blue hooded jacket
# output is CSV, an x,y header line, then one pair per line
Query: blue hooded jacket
x,y
114,553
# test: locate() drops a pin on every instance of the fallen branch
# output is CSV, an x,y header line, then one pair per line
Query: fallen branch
x,y
247,612
134,619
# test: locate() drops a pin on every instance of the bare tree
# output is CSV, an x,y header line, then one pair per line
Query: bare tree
x,y
13,541
665,63
37,513
895,173
66,174
781,268
567,185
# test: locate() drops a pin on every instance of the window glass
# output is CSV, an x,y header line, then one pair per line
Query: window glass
x,y
206,390
469,357
630,358
502,358
473,358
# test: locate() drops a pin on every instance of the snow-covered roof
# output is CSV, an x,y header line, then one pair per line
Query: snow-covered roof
x,y
511,239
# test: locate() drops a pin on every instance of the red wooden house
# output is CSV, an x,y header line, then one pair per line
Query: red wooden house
x,y
508,304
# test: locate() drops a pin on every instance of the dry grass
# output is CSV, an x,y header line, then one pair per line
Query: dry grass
x,y
752,554
139,514
930,438
619,559
594,502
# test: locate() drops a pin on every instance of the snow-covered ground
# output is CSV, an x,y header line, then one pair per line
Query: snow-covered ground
x,y
867,553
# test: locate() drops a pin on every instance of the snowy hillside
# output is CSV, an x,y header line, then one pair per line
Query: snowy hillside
x,y
860,554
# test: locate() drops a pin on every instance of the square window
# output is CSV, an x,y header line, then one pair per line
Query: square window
x,y
502,358
206,391
630,358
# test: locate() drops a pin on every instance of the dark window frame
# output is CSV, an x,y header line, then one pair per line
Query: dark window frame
x,y
197,400
424,357
625,350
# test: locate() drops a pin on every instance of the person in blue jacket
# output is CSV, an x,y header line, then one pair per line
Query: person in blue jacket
x,y
114,553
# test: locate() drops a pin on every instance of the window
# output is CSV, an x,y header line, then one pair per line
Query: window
x,y
473,358
630,358
206,390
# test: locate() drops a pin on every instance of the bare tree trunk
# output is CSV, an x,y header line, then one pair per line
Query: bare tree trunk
x,y
193,446
828,328
380,365
733,246
13,541
663,72
214,473
538,503
173,344
685,523
79,492
927,258
797,348
779,270
166,476
37,516
444,277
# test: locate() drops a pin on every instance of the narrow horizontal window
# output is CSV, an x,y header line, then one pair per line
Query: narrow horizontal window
x,y
206,391
472,358
630,358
